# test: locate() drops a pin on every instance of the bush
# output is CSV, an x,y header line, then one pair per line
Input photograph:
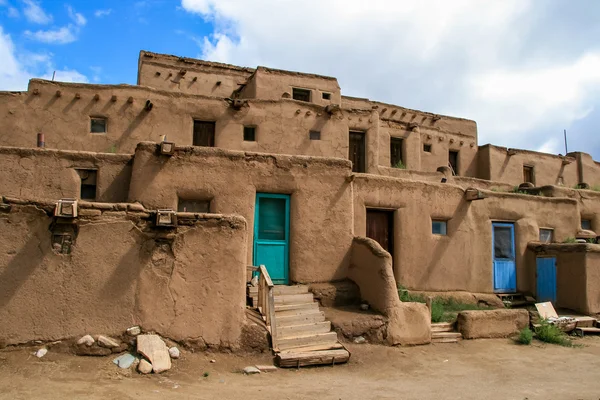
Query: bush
x,y
399,165
525,336
570,240
549,333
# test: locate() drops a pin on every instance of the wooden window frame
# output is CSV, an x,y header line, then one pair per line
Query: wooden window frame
x,y
444,231
532,169
97,118
362,166
211,139
427,147
550,230
298,91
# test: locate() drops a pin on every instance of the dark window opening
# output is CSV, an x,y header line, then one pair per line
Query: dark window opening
x,y
97,125
193,206
528,175
586,224
326,96
249,133
63,237
453,161
301,94
204,133
427,148
88,183
396,152
356,151
439,227
503,243
315,135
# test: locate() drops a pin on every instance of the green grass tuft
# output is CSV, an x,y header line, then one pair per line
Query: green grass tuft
x,y
549,333
570,240
399,165
525,336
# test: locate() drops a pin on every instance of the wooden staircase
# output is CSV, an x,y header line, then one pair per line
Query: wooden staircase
x,y
444,332
300,334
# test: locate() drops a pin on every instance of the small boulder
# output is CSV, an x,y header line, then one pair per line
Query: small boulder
x,y
125,361
144,367
213,361
107,342
41,352
174,352
134,331
251,370
86,340
154,349
360,340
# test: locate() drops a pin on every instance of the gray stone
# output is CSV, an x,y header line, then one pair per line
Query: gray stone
x,y
144,367
251,370
174,352
154,349
107,342
134,331
41,352
87,340
125,361
360,340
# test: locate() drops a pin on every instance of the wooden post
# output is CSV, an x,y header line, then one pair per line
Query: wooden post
x,y
428,303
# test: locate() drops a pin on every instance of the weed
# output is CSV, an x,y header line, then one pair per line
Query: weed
x,y
570,240
399,165
549,333
206,374
595,188
525,336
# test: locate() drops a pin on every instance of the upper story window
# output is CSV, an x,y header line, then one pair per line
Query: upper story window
x,y
439,227
204,133
193,206
546,235
326,96
301,94
453,161
396,152
528,174
586,224
356,151
249,133
315,135
88,178
427,148
98,125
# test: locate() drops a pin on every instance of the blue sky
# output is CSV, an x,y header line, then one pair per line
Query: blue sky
x,y
523,69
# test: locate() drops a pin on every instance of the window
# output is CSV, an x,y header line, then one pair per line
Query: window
x,y
528,175
356,151
97,125
301,94
88,183
427,148
438,227
586,224
315,135
326,96
546,235
249,133
453,161
193,206
396,152
204,133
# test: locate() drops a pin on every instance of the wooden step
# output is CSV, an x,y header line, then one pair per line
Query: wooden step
x,y
586,322
305,329
325,346
442,327
306,340
284,309
294,298
295,289
445,337
587,330
302,359
307,317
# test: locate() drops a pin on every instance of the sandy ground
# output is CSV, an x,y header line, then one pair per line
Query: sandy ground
x,y
480,369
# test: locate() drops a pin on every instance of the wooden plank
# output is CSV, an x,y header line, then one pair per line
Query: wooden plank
x,y
294,298
446,340
438,335
295,289
307,340
304,318
319,347
304,329
327,357
296,307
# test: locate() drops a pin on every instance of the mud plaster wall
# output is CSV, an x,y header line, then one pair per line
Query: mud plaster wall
x,y
461,260
590,169
189,288
49,174
588,202
320,204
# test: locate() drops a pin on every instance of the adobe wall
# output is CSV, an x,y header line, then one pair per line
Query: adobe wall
x,y
199,77
588,202
188,284
50,174
321,197
548,168
589,169
461,260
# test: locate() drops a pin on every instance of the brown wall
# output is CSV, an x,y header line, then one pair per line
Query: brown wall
x,y
321,199
50,174
121,272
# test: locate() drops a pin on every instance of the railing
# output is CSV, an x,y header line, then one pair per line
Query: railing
x,y
266,303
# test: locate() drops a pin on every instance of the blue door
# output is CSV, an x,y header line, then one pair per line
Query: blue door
x,y
272,235
503,256
546,279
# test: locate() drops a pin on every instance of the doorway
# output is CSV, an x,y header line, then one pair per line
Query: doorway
x,y
503,256
356,151
272,235
546,279
380,227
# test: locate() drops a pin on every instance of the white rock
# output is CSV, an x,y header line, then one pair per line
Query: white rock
x,y
360,340
88,340
134,331
364,306
251,370
213,361
107,342
155,350
174,352
144,367
41,352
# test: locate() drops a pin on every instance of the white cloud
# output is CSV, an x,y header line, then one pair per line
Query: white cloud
x,y
78,18
62,35
493,61
102,13
16,72
13,12
34,12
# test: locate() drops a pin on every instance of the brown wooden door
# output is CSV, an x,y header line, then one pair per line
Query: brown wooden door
x,y
356,151
204,133
380,227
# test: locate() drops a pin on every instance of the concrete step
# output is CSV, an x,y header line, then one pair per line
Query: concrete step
x,y
306,340
295,309
309,316
295,289
304,329
294,298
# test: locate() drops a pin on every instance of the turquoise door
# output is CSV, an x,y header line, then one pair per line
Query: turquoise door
x,y
272,235
503,256
546,279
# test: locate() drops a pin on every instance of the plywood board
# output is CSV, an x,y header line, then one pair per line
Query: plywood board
x,y
546,310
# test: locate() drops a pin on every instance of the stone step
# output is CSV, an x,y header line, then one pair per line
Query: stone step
x,y
288,309
442,327
294,298
305,329
295,289
306,340
309,316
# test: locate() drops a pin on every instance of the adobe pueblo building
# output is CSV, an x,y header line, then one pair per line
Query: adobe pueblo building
x,y
202,169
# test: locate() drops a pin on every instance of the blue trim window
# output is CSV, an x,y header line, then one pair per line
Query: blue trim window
x,y
586,224
439,227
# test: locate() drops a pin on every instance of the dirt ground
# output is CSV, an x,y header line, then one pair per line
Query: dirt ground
x,y
479,369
